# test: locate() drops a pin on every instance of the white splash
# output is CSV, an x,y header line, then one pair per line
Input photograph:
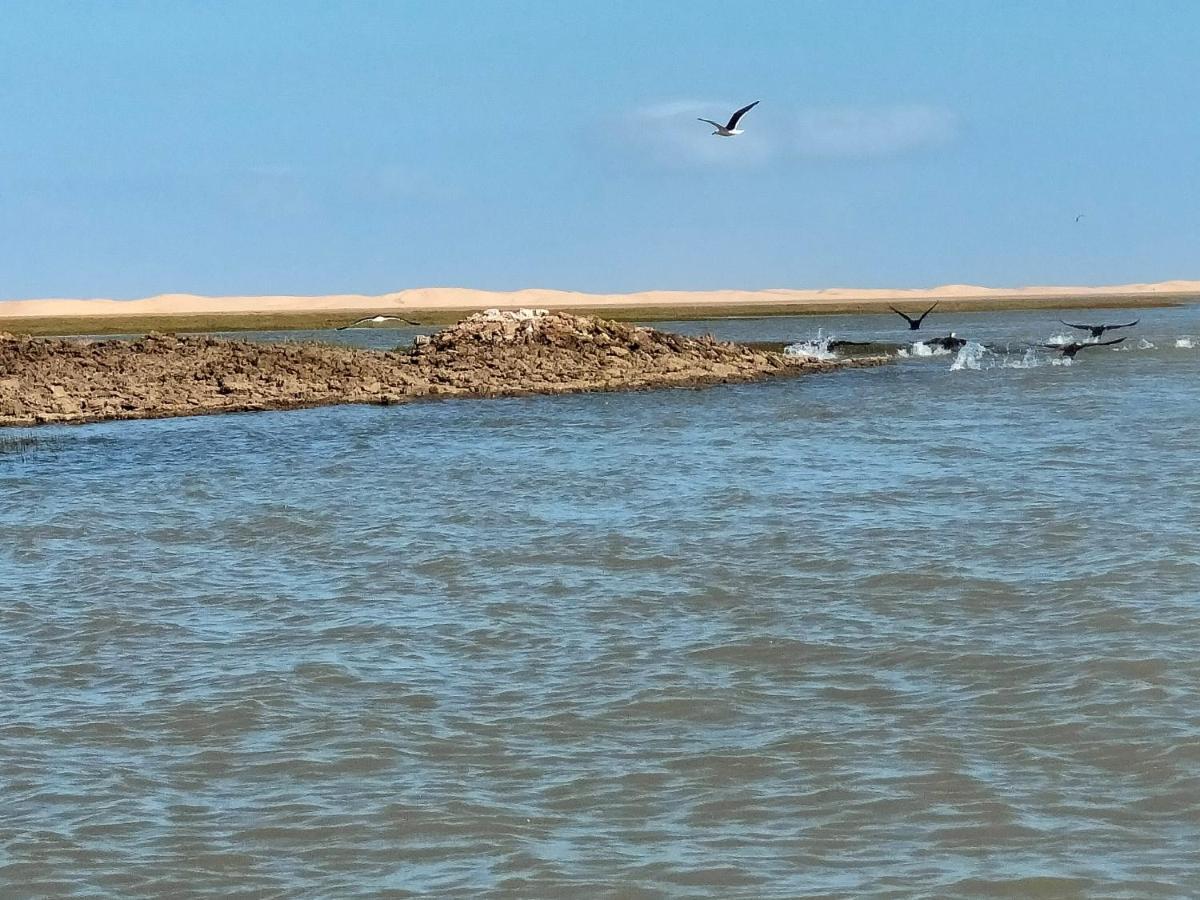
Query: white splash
x,y
920,348
816,348
1185,343
1030,360
970,356
1144,344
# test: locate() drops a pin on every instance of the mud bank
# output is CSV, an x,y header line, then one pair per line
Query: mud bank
x,y
490,354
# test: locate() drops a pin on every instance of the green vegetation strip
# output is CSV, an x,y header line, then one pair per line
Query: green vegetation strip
x,y
436,318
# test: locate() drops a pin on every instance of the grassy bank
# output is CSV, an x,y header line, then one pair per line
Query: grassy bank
x,y
316,321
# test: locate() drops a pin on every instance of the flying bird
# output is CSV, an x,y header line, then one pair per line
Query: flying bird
x,y
730,129
376,320
1069,350
1098,330
1080,216
913,324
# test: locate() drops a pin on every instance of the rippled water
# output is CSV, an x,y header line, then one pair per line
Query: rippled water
x,y
918,631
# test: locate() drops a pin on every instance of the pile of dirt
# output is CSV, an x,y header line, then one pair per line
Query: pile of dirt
x,y
489,354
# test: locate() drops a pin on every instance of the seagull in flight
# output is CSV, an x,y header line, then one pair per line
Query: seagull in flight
x,y
913,324
378,319
1069,350
1080,216
730,129
1098,330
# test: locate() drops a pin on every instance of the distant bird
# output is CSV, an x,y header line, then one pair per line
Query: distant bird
x,y
1069,350
1098,330
1080,216
377,319
731,128
913,324
949,342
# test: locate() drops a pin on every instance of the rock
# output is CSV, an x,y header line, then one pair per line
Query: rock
x,y
493,353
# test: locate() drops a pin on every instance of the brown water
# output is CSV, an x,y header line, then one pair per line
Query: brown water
x,y
920,631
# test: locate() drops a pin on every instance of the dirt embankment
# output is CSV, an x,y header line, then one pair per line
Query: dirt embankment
x,y
489,354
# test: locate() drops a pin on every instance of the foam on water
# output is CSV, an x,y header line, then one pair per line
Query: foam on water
x,y
1184,343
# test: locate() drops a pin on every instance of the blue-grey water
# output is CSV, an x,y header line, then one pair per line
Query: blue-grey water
x,y
930,630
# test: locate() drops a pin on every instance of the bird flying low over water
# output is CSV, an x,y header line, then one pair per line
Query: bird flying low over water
x,y
731,128
1098,330
1069,350
913,324
950,342
376,320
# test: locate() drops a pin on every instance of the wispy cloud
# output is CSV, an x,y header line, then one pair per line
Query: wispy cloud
x,y
668,135
872,132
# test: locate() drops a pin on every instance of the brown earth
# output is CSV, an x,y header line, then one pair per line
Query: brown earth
x,y
487,355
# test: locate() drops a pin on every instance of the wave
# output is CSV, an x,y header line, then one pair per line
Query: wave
x,y
1185,343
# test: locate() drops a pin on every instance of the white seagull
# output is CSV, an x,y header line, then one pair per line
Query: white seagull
x,y
377,320
732,128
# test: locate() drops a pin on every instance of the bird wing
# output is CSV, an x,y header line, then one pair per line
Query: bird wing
x,y
737,116
928,311
1081,327
710,122
1126,325
900,314
1084,346
1056,346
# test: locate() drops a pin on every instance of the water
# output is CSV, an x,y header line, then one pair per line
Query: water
x,y
914,631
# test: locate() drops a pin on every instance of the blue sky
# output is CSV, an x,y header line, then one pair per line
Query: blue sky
x,y
304,147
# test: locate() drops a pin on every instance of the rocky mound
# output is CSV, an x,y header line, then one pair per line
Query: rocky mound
x,y
489,354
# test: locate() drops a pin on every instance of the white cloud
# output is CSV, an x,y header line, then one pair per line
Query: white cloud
x,y
872,132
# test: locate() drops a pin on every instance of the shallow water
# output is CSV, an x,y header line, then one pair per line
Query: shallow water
x,y
917,631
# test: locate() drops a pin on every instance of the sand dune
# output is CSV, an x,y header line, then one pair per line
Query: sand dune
x,y
469,299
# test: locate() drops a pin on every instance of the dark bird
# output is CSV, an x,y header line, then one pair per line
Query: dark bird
x,y
1069,350
1080,216
913,324
1098,330
730,129
377,319
950,342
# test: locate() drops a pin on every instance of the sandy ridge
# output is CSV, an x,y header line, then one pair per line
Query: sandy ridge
x,y
471,299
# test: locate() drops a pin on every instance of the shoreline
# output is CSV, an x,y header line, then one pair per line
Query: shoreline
x,y
624,308
63,381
